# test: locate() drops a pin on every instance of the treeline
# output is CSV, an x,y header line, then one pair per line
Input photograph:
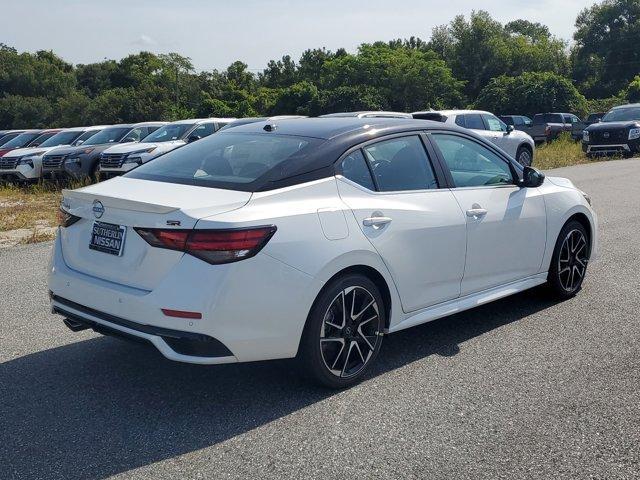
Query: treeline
x,y
471,62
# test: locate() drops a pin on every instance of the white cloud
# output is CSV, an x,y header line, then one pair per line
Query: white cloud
x,y
144,41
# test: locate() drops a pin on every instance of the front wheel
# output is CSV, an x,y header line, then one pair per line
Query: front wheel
x,y
344,331
524,156
569,261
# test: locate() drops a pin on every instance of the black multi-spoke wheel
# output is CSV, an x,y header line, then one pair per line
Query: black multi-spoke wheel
x,y
344,331
524,156
570,259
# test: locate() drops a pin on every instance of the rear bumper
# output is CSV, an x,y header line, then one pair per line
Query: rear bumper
x,y
256,308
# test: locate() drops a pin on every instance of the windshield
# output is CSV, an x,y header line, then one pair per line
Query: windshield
x,y
622,115
108,135
5,139
42,138
226,160
62,138
169,132
22,140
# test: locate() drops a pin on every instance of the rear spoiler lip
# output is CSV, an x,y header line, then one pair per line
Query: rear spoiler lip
x,y
115,202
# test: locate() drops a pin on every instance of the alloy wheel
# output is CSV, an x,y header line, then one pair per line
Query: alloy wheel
x,y
350,332
572,261
525,158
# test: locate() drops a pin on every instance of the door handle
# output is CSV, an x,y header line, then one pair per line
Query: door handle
x,y
476,213
376,222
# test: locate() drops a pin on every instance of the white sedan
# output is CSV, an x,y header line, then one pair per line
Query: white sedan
x,y
313,238
518,144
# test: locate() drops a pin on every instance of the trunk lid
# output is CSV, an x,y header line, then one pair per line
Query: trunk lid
x,y
129,203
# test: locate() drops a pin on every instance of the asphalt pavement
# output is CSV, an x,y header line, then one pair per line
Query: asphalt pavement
x,y
522,388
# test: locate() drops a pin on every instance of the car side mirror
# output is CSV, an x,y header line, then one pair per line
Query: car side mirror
x,y
510,129
531,177
193,138
78,143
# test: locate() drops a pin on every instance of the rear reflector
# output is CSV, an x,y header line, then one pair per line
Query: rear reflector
x,y
182,314
212,246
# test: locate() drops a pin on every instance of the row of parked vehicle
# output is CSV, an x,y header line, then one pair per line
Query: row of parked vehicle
x,y
105,151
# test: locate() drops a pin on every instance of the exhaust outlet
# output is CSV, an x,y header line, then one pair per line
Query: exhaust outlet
x,y
75,326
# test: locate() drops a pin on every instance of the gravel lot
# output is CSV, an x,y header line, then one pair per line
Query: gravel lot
x,y
522,388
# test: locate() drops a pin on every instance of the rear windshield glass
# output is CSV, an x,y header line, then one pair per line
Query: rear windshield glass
x,y
62,138
622,115
227,160
548,118
22,140
169,132
108,135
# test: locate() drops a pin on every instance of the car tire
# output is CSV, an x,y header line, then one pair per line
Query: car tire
x,y
343,334
569,261
524,156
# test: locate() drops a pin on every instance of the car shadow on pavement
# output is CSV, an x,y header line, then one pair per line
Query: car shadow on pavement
x,y
102,406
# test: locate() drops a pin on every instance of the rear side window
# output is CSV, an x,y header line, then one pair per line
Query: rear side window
x,y
460,121
203,130
401,164
474,121
517,121
228,160
354,167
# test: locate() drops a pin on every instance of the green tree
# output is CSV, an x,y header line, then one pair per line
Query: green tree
x,y
531,93
633,90
606,55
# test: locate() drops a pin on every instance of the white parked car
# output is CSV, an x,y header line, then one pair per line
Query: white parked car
x,y
313,238
25,164
368,114
120,159
516,143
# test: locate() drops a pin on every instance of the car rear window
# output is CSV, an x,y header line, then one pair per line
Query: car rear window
x,y
548,118
229,160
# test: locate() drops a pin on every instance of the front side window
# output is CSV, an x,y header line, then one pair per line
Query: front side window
x,y
527,121
203,130
471,164
517,121
495,124
229,160
354,167
401,164
474,121
169,133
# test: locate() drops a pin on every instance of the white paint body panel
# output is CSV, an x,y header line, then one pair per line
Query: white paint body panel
x,y
258,307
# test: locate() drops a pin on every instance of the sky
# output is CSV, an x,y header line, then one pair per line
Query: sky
x,y
215,33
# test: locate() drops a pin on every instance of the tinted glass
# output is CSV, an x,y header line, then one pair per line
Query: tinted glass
x,y
203,130
42,138
354,167
21,140
227,160
510,120
527,121
63,138
474,121
108,135
494,123
6,138
460,121
471,164
548,118
622,115
169,132
517,121
401,164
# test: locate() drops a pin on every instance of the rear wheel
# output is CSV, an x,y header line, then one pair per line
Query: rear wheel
x,y
569,261
343,334
524,156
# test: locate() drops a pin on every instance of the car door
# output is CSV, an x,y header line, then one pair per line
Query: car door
x,y
417,227
506,224
501,136
474,121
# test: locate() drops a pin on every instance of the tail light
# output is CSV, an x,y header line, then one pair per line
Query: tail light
x,y
212,246
65,219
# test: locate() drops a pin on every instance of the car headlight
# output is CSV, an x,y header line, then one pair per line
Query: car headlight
x,y
26,161
586,196
634,133
585,136
137,160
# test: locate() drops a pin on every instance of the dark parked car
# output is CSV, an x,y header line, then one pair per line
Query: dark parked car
x,y
617,133
82,161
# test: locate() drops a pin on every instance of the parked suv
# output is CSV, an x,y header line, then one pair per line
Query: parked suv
x,y
7,135
517,144
21,139
120,159
25,164
617,133
83,161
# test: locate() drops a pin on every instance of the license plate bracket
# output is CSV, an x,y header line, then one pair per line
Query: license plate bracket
x,y
108,238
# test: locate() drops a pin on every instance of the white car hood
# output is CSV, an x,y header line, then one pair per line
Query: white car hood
x,y
21,152
134,147
561,182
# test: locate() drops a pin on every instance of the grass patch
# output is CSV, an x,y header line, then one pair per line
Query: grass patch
x,y
29,207
563,152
